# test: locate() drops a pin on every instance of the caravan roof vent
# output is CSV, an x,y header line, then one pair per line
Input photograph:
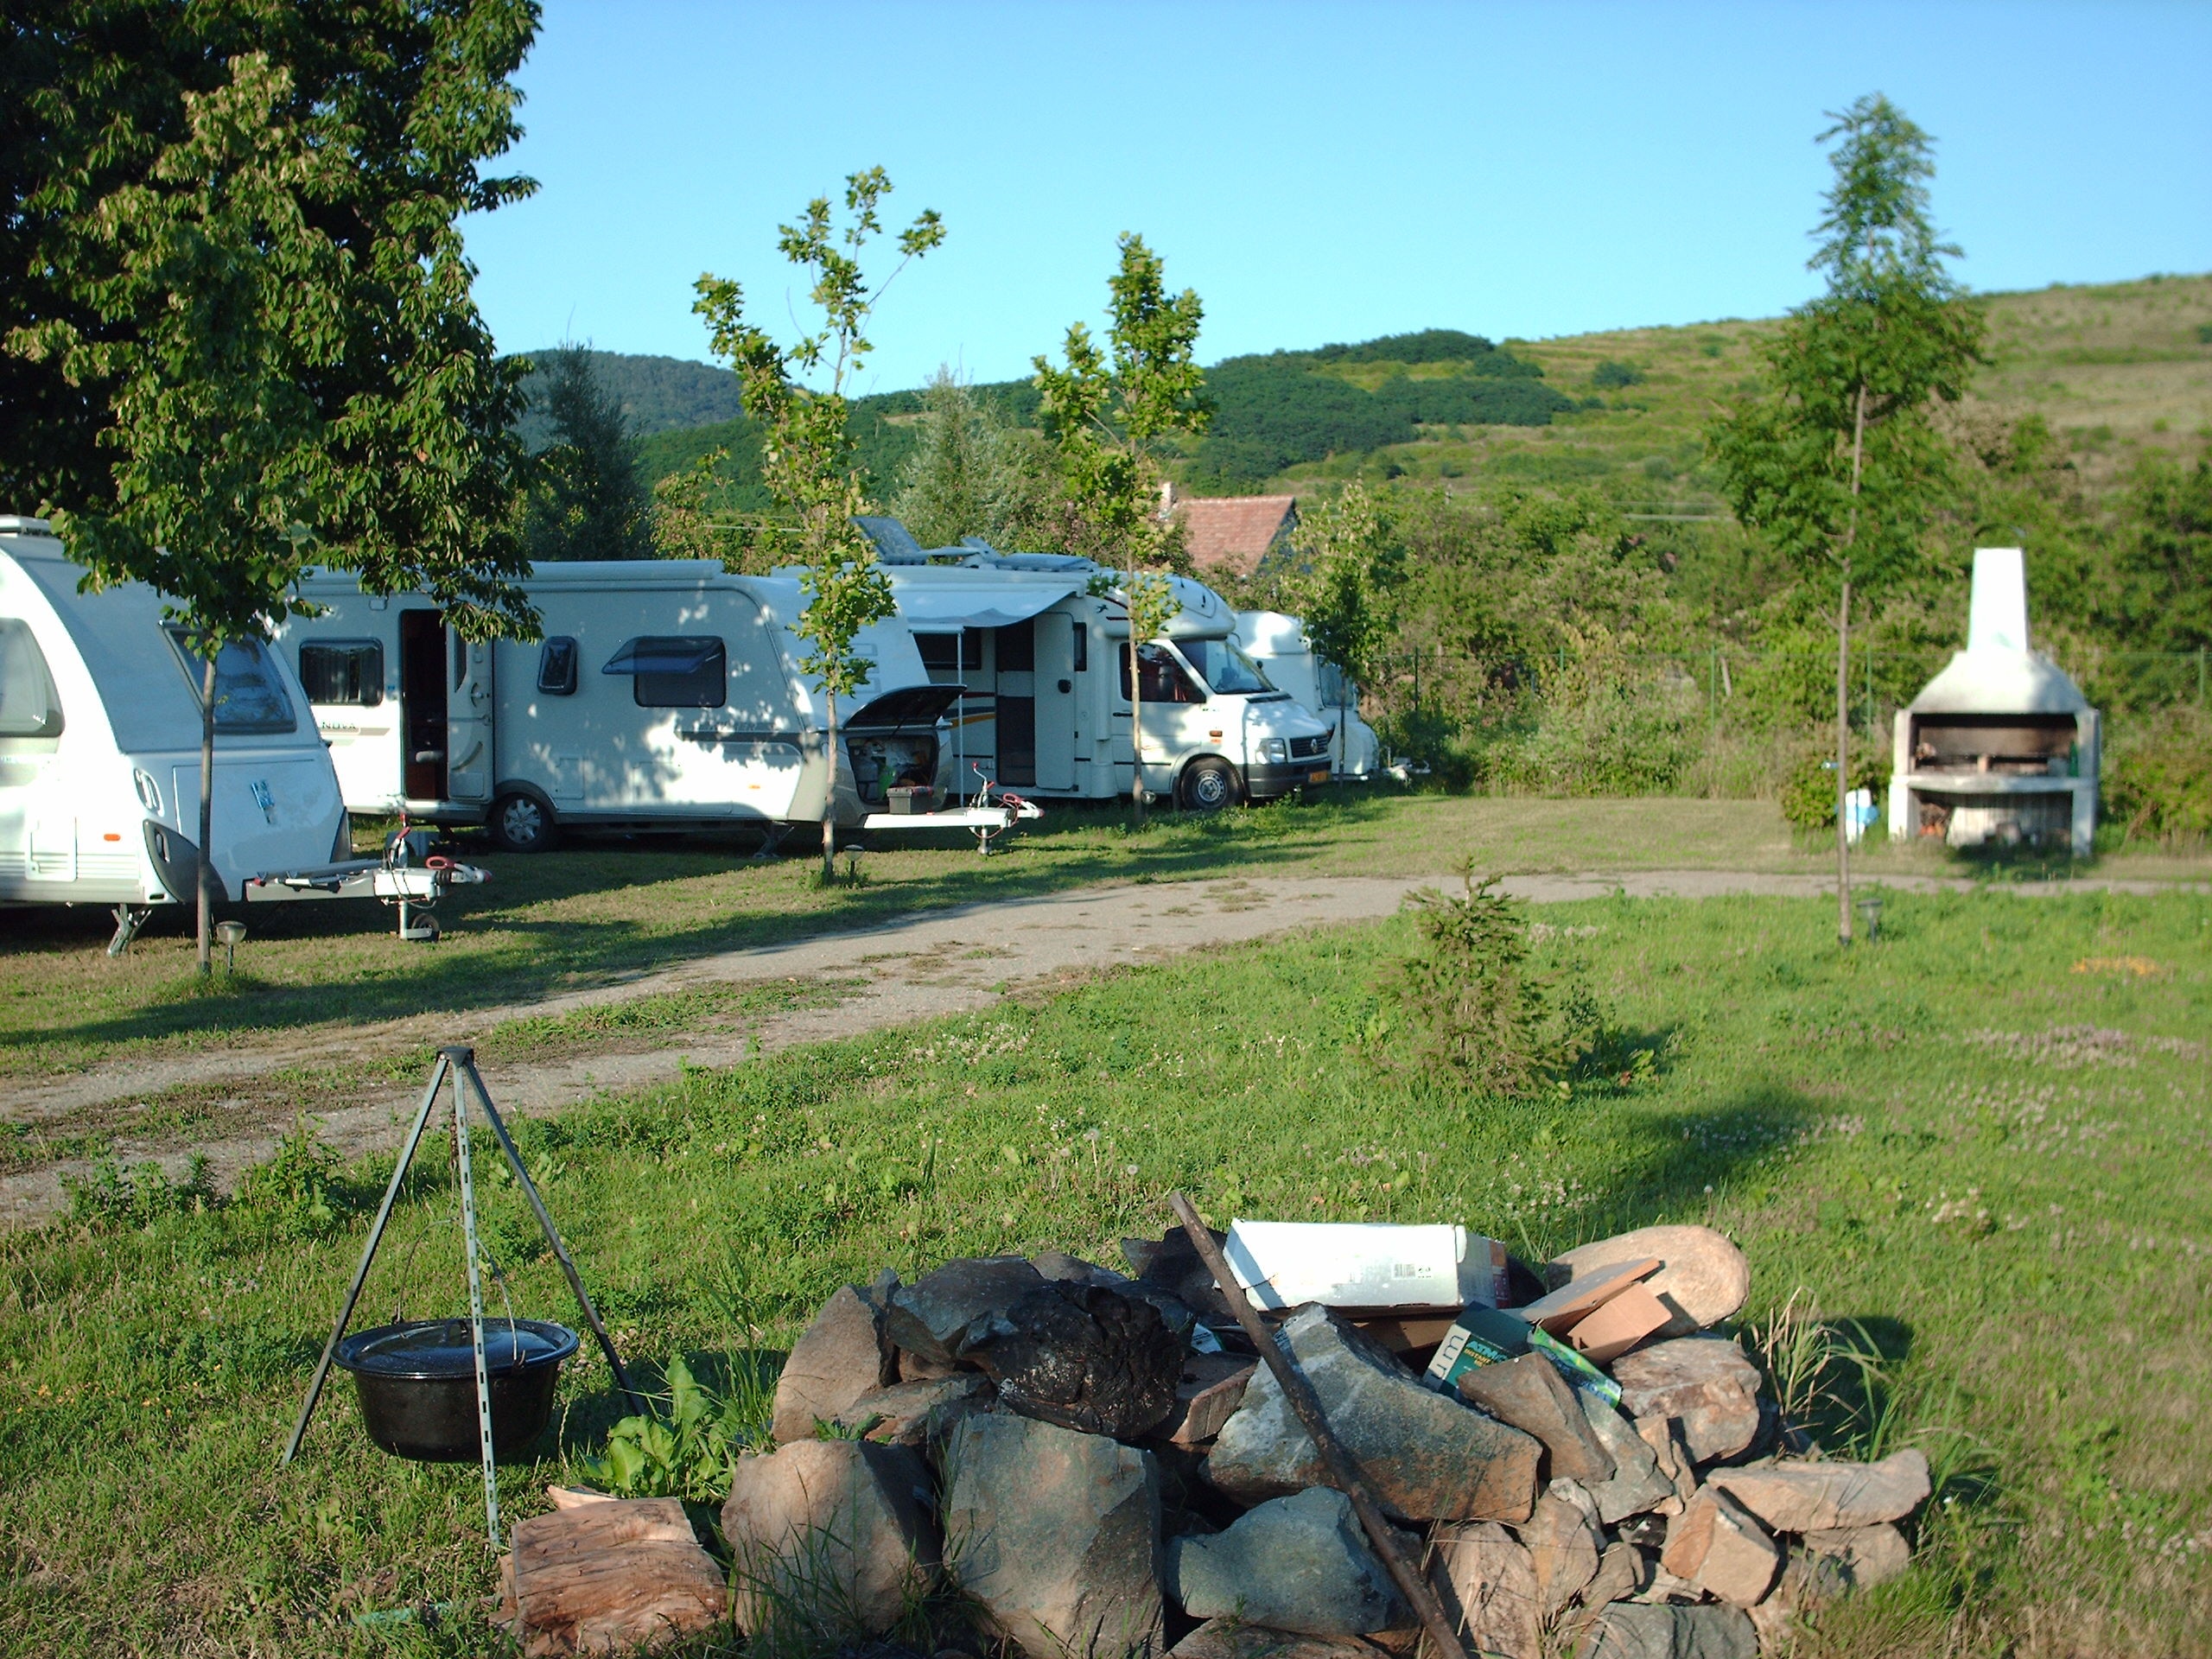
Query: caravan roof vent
x,y
16,524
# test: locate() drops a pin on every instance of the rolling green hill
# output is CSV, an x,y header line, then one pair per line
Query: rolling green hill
x,y
2115,370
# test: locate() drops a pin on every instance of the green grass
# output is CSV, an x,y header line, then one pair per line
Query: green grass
x,y
1982,1138
603,912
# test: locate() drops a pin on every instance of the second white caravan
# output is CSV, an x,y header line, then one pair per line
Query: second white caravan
x,y
662,693
1279,644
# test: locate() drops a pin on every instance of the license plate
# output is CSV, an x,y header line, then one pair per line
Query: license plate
x,y
1320,777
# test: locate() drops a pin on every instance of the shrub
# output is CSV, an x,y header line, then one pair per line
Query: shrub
x,y
1612,375
1808,796
1481,1015
1608,727
294,1193
2158,779
109,1198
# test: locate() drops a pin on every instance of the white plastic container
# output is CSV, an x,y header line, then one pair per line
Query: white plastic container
x,y
1364,1265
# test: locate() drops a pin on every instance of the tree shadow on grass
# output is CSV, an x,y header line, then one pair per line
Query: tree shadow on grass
x,y
1676,1166
565,955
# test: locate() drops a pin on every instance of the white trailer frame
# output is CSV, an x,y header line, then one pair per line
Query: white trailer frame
x,y
595,725
100,758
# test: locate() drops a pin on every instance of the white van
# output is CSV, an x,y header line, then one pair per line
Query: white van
x,y
99,757
662,694
1279,644
1044,667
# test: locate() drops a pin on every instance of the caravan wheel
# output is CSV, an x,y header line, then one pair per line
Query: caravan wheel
x,y
520,824
1207,785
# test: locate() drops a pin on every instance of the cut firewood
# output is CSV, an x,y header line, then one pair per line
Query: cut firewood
x,y
612,1576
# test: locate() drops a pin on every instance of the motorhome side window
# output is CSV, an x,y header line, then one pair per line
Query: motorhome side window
x,y
674,671
28,707
249,695
343,671
1164,678
556,666
940,656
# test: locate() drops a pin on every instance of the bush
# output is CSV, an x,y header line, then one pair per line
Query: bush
x,y
1608,727
109,1198
2158,777
1611,375
1481,1015
1808,796
295,1193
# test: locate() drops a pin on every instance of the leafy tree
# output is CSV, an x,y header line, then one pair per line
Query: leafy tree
x,y
1105,413
1838,460
1347,595
682,519
806,449
585,500
239,336
973,473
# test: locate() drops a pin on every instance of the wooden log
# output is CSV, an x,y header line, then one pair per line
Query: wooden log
x,y
613,1576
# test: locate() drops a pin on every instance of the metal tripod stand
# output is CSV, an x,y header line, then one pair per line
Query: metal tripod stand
x,y
459,1063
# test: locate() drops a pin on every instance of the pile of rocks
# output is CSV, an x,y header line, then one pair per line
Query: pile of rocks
x,y
1087,1457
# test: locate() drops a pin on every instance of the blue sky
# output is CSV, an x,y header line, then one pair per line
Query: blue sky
x,y
1321,172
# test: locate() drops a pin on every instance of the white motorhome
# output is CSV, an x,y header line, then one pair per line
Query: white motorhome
x,y
1043,665
662,693
99,757
1279,644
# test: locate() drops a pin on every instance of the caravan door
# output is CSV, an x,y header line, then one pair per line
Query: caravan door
x,y
468,723
1055,702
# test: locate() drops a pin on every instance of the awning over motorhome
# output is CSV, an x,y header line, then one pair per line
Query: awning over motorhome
x,y
941,607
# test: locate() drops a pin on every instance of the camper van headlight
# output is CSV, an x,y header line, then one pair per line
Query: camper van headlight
x,y
149,792
1275,750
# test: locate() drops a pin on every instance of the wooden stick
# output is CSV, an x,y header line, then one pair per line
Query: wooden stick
x,y
1344,1472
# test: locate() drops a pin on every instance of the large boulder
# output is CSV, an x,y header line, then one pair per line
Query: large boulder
x,y
1080,1355
1703,1278
1704,1383
839,1356
1827,1496
1628,1630
1529,1394
1715,1545
919,1414
1057,1534
1298,1563
1488,1585
836,1532
1430,1457
1871,1555
929,1318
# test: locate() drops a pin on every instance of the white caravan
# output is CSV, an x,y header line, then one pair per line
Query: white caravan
x,y
99,757
1279,644
662,693
1042,665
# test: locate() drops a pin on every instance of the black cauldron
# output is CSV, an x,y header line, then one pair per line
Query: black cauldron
x,y
417,1384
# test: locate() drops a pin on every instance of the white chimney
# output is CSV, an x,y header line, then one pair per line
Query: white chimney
x,y
1997,617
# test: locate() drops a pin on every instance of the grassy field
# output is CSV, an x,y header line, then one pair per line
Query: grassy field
x,y
2115,369
1982,1141
596,914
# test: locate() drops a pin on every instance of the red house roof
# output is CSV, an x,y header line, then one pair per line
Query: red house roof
x,y
1234,532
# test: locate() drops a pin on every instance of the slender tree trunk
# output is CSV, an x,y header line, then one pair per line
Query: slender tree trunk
x,y
207,873
1843,682
1136,730
829,801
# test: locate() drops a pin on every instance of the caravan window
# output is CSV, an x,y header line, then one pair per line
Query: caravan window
x,y
249,695
556,666
28,707
343,671
940,656
1164,678
680,672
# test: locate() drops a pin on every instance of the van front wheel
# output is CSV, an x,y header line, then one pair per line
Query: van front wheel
x,y
520,824
1208,785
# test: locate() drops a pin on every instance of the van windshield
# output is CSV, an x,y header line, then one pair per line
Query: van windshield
x,y
249,695
1225,668
28,705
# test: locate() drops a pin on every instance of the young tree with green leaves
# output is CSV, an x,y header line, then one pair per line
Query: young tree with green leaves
x,y
1347,595
1106,416
584,500
238,331
806,451
973,473
1837,459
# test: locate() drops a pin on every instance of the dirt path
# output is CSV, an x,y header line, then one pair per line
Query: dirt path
x,y
922,967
